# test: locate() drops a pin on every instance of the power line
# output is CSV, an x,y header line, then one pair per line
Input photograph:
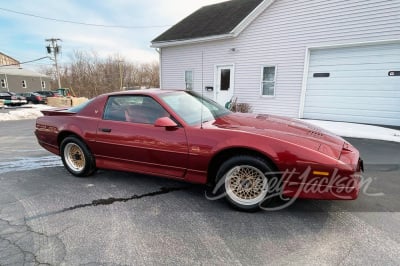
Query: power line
x,y
83,23
30,61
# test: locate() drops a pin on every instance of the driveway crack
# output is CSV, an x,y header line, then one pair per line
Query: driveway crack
x,y
109,201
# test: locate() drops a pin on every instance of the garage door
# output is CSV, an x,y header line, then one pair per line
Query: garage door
x,y
356,84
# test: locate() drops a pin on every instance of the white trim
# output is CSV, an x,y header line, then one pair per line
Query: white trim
x,y
234,33
160,66
191,41
8,88
344,45
251,17
262,80
304,82
329,46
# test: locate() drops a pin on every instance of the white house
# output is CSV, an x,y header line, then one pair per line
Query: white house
x,y
333,60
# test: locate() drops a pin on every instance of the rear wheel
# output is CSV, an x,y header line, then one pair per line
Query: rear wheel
x,y
244,181
76,157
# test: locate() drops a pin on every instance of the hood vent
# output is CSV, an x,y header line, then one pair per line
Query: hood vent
x,y
315,133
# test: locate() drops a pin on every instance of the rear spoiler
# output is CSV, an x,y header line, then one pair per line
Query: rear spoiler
x,y
57,112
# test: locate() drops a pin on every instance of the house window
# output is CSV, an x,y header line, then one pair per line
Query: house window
x,y
24,84
43,84
268,80
225,79
3,83
189,79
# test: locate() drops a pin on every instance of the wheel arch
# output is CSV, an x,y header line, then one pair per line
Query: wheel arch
x,y
225,154
67,133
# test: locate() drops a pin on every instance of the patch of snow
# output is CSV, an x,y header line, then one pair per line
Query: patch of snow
x,y
354,130
27,111
29,163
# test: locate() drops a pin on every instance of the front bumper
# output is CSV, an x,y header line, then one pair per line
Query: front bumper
x,y
340,182
322,192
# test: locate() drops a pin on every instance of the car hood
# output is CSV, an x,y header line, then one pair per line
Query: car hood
x,y
286,129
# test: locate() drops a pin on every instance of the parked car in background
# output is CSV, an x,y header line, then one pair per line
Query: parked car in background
x,y
48,93
33,97
12,99
22,99
8,99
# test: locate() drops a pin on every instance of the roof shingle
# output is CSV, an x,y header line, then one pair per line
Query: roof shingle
x,y
210,20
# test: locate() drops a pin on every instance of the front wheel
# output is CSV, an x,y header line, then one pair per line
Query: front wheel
x,y
244,181
76,157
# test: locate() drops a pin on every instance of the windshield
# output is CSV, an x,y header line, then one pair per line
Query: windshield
x,y
188,105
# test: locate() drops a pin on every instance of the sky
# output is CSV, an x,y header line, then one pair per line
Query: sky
x,y
23,36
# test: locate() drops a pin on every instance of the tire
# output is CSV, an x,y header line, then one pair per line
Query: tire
x,y
76,157
242,179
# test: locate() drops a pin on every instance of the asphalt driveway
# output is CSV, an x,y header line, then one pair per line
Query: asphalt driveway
x,y
115,218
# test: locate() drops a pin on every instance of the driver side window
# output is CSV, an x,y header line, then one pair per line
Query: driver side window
x,y
133,108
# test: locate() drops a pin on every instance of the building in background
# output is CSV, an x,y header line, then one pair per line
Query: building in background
x,y
331,60
14,78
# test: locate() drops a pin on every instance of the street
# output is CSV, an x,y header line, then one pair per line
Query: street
x,y
49,217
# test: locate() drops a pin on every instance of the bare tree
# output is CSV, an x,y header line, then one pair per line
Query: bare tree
x,y
89,75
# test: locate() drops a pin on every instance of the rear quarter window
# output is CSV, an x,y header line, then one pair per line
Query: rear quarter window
x,y
78,108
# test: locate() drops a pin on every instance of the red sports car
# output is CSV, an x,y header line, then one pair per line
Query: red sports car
x,y
182,135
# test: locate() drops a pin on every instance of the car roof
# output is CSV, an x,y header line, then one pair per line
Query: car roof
x,y
144,92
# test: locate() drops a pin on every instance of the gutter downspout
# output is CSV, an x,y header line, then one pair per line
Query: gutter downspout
x,y
8,89
159,51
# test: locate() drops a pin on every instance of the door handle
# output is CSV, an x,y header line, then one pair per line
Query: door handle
x,y
107,130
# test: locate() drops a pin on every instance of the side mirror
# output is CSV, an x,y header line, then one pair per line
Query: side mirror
x,y
165,122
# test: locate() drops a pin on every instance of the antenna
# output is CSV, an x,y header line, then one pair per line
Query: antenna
x,y
202,89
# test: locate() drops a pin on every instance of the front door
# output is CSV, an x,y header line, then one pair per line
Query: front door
x,y
127,137
224,84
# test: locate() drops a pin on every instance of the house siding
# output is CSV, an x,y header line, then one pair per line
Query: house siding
x,y
14,83
281,36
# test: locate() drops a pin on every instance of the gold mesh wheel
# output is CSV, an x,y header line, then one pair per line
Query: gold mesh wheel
x,y
74,157
246,185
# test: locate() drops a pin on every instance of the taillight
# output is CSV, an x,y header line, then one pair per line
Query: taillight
x,y
39,98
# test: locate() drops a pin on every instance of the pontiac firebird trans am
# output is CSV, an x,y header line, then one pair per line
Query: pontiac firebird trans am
x,y
181,135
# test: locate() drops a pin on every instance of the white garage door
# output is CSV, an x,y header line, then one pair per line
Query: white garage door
x,y
356,84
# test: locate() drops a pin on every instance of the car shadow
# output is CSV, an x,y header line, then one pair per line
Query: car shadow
x,y
379,196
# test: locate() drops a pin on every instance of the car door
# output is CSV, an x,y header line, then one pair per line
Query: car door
x,y
127,139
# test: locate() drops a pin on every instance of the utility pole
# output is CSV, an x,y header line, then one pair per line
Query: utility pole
x,y
55,49
120,75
